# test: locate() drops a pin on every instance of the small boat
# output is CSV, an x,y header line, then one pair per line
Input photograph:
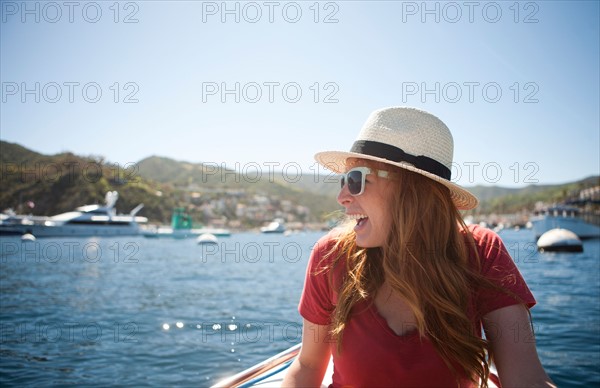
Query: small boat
x,y
563,217
219,232
270,373
559,240
182,227
84,221
27,237
276,226
207,238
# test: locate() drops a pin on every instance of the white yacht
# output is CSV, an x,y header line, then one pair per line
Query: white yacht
x,y
277,226
564,217
87,220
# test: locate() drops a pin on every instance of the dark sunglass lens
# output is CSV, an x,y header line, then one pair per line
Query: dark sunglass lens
x,y
354,182
342,182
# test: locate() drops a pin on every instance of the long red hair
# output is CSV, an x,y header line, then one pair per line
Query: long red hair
x,y
426,261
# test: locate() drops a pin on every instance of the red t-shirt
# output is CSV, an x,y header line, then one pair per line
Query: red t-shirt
x,y
372,354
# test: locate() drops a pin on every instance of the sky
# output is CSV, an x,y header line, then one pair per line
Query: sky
x,y
265,85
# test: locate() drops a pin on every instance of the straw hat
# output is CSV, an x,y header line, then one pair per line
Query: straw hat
x,y
408,138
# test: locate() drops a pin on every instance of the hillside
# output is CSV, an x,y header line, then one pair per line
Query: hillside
x,y
59,183
38,184
180,173
524,199
227,189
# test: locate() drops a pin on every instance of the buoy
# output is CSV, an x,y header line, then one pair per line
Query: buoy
x,y
207,238
559,240
27,237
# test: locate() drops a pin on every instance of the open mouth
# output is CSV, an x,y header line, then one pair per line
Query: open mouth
x,y
360,218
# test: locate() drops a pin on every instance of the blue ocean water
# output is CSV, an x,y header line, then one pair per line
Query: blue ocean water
x,y
160,312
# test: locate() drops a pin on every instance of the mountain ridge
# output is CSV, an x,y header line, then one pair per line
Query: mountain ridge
x,y
58,183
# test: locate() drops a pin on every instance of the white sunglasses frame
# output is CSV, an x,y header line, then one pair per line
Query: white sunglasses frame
x,y
365,171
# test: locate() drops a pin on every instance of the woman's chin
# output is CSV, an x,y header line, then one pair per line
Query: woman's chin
x,y
365,243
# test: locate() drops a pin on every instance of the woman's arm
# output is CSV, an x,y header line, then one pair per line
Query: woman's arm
x,y
309,367
513,346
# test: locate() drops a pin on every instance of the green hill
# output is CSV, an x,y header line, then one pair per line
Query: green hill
x,y
59,183
501,200
211,183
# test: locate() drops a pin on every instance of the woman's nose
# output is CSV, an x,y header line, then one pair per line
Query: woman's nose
x,y
344,197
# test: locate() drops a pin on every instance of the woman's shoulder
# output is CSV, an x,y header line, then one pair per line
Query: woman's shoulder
x,y
484,239
323,252
491,251
498,267
330,238
482,234
328,255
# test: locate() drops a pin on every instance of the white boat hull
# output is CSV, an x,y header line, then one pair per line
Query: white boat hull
x,y
71,230
583,230
85,221
273,227
183,233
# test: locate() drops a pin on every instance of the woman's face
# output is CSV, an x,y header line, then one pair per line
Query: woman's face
x,y
370,209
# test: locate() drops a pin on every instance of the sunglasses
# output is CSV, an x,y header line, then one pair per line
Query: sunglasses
x,y
356,178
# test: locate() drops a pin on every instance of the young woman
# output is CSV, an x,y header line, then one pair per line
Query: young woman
x,y
398,296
